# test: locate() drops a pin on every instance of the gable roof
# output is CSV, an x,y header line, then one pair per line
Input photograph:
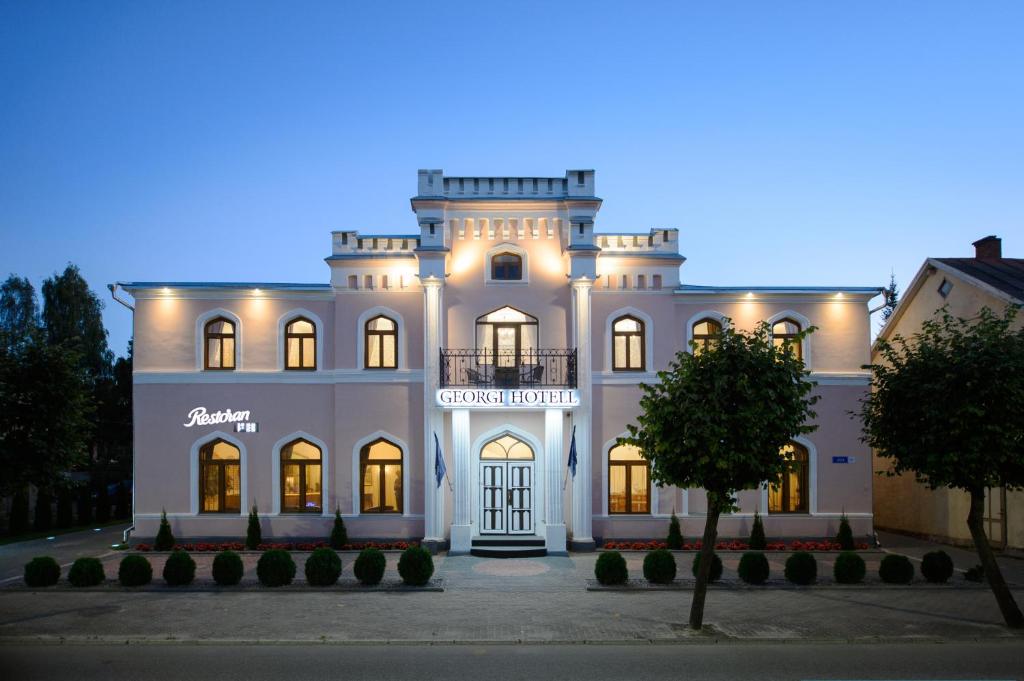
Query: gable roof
x,y
1004,274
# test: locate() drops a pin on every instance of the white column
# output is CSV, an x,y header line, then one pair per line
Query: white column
x,y
461,538
433,417
554,464
582,487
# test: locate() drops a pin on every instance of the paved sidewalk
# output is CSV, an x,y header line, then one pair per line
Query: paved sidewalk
x,y
65,548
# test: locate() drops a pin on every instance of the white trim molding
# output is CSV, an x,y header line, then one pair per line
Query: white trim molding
x,y
201,321
704,314
648,321
605,512
805,323
402,340
357,479
275,473
243,459
507,247
318,325
306,377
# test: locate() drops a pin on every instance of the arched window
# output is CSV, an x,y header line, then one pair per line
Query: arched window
x,y
629,481
506,267
705,335
381,343
507,447
300,344
219,344
380,473
301,480
220,478
628,344
790,493
784,335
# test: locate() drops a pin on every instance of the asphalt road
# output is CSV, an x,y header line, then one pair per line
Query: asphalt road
x,y
734,662
64,548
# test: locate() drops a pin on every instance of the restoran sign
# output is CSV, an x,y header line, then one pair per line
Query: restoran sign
x,y
239,419
516,398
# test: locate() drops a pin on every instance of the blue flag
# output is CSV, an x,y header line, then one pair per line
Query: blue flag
x,y
572,452
439,468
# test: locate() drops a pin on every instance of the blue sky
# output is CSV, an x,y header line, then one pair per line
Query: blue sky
x,y
790,142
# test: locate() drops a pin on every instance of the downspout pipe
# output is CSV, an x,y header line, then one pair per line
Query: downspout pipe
x,y
114,288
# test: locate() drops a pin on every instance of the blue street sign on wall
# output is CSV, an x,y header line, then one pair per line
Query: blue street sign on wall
x,y
842,459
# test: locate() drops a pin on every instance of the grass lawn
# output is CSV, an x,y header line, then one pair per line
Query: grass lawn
x,y
27,536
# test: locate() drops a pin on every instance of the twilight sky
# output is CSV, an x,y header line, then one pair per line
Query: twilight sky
x,y
792,143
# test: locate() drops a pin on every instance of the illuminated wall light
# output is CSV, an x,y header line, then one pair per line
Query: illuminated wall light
x,y
839,295
750,295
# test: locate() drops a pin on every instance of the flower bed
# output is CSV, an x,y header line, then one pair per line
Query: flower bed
x,y
206,547
795,545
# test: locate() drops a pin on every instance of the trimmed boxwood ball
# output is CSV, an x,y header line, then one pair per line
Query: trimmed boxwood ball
x,y
275,568
227,568
754,568
937,567
134,570
323,567
180,569
896,570
975,574
42,571
610,568
849,568
86,572
416,566
369,566
660,566
801,568
716,567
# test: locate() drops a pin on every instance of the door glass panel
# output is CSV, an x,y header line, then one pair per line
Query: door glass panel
x,y
638,489
506,337
528,340
795,491
775,498
211,488
312,487
371,487
485,342
617,489
232,488
290,488
392,487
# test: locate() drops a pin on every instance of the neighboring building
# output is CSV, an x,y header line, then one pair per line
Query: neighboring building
x,y
964,285
503,325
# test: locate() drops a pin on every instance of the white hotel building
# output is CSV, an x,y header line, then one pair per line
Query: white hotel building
x,y
502,325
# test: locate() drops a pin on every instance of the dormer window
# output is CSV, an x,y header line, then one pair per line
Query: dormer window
x,y
506,267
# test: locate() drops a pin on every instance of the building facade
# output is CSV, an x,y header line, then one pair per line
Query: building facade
x,y
497,335
963,286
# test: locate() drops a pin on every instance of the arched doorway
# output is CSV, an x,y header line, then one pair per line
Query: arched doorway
x,y
506,486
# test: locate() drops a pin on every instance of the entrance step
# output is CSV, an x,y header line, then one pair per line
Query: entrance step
x,y
504,546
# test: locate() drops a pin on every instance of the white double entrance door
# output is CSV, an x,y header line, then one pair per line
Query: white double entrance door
x,y
506,497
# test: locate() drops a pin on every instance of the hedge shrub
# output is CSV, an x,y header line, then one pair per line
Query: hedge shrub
x,y
975,574
937,567
86,572
180,569
660,566
369,566
42,571
416,566
164,537
227,568
610,568
339,535
754,567
134,570
896,569
253,533
845,535
323,567
757,539
716,567
849,568
675,534
801,568
275,568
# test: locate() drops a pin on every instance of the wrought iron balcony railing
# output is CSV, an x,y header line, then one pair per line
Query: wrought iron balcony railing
x,y
508,369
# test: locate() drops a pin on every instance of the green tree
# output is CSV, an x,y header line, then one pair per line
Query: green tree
x,y
945,407
892,297
717,419
19,312
44,413
253,533
73,314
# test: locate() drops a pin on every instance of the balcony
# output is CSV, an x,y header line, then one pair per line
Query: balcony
x,y
532,368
